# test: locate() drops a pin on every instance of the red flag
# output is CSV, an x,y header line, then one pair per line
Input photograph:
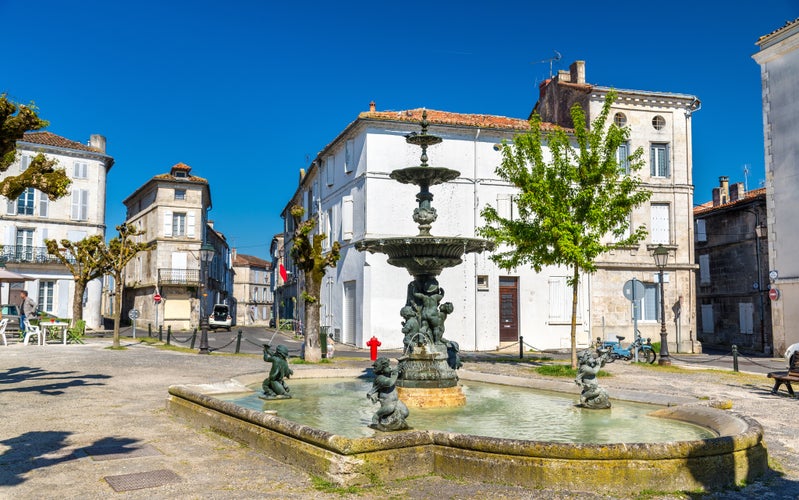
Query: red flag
x,y
283,273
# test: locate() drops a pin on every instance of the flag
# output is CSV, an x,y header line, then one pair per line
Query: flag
x,y
283,273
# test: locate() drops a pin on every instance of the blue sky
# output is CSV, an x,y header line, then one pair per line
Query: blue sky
x,y
247,92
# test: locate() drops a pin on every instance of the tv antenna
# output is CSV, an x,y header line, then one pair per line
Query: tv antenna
x,y
552,59
746,176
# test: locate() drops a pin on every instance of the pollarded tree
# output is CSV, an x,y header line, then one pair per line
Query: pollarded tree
x,y
116,255
41,174
84,260
307,254
569,204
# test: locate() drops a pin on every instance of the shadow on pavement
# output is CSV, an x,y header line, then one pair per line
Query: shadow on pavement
x,y
49,386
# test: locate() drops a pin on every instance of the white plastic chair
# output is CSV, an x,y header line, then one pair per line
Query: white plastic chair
x,y
3,323
32,331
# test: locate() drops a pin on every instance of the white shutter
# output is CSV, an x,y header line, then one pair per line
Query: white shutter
x,y
349,156
11,207
659,227
84,204
701,231
704,269
42,236
168,223
347,214
75,215
557,302
24,162
707,318
329,169
190,225
44,204
504,206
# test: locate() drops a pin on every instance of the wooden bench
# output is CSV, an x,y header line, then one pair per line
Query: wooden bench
x,y
786,377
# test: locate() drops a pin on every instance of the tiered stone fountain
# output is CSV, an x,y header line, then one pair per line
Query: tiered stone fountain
x,y
427,368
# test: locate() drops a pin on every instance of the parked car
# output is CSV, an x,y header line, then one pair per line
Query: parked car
x,y
11,312
220,317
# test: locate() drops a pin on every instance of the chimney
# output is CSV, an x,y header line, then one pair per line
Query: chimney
x,y
737,192
211,224
724,189
372,107
564,76
716,197
577,72
233,254
97,141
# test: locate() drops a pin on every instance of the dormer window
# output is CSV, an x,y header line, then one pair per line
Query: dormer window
x,y
181,174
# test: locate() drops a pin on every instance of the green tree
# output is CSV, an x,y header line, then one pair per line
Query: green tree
x,y
116,255
84,260
307,254
569,205
41,174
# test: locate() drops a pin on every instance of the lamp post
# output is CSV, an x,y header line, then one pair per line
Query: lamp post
x,y
661,255
206,256
758,235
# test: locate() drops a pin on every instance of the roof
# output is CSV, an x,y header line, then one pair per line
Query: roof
x,y
250,260
436,117
750,196
786,26
50,139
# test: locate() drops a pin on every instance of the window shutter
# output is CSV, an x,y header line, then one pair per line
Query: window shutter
x,y
623,153
659,223
666,163
75,215
701,231
11,207
24,162
504,206
168,223
84,204
349,156
745,317
704,269
707,318
557,293
347,214
44,204
329,169
190,225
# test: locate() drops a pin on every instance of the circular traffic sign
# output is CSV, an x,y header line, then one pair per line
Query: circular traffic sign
x,y
774,294
633,290
133,313
157,297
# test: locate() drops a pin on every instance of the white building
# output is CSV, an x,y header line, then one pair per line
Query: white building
x,y
27,221
779,70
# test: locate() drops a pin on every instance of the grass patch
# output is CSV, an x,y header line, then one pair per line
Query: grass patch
x,y
563,371
120,348
325,486
301,361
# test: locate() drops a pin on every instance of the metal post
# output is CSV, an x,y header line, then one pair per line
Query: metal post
x,y
168,334
734,358
238,342
149,329
193,337
664,336
521,347
203,320
160,333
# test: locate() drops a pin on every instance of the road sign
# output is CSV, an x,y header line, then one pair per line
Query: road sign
x,y
133,314
633,289
157,297
774,294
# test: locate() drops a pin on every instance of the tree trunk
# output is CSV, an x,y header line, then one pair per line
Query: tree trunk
x,y
77,301
575,285
313,350
117,308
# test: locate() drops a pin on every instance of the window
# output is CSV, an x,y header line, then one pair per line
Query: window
x,y
347,214
623,158
505,208
329,169
707,318
659,227
24,163
349,156
482,282
701,231
659,160
649,309
704,269
25,244
181,174
179,224
746,317
80,204
560,300
180,194
44,204
26,201
658,122
46,289
619,119
80,170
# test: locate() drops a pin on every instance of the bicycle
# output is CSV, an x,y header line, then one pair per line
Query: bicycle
x,y
646,353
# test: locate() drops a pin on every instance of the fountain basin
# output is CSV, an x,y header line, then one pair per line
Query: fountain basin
x,y
737,453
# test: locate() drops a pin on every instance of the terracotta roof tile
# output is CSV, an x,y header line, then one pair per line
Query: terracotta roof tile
x,y
787,25
749,196
448,118
246,260
50,139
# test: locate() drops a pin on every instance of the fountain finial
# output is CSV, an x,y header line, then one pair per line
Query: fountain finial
x,y
424,139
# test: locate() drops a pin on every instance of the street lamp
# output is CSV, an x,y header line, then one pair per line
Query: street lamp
x,y
661,255
206,256
758,235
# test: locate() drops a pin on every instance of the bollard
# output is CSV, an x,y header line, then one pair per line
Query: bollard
x,y
149,329
734,358
373,345
168,334
193,337
521,347
160,333
238,341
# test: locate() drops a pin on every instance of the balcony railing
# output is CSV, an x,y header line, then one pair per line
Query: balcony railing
x,y
170,276
27,254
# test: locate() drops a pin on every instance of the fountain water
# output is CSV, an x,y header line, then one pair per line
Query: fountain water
x,y
427,376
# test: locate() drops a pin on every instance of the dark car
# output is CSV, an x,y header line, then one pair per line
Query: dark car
x,y
11,312
220,317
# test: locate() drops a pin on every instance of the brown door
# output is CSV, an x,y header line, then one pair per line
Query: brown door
x,y
508,309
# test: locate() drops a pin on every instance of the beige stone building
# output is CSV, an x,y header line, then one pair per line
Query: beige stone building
x,y
660,124
252,289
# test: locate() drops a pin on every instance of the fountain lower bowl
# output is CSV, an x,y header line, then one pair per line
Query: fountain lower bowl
x,y
737,455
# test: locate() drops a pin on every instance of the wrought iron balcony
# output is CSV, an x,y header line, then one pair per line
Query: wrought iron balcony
x,y
27,254
171,276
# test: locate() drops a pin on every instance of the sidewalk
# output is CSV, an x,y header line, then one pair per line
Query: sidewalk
x,y
79,416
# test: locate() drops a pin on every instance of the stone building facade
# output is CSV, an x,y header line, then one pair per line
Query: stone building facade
x,y
252,289
732,253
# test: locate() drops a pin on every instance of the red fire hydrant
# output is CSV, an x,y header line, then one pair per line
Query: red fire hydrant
x,y
373,345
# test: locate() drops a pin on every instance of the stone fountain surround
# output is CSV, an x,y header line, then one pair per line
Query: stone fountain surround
x,y
737,455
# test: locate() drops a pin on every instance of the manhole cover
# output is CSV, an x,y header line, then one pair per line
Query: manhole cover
x,y
139,480
114,452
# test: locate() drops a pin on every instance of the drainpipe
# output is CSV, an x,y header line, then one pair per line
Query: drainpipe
x,y
474,226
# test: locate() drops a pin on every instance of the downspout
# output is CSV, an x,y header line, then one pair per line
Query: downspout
x,y
474,225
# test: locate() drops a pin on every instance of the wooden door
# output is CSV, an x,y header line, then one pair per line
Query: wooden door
x,y
508,309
